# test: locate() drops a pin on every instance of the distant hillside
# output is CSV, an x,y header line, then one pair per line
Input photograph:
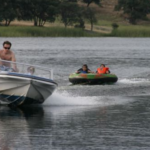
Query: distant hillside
x,y
107,13
105,16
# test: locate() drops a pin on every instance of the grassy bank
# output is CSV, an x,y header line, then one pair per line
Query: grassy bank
x,y
131,31
25,31
28,31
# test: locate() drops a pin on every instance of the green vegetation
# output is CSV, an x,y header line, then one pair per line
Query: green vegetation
x,y
24,31
131,31
42,11
74,18
135,9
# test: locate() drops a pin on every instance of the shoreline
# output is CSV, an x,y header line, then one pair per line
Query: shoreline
x,y
56,31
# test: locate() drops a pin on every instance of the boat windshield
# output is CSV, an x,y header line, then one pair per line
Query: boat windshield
x,y
28,69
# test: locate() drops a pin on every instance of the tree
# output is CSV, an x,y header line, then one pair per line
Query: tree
x,y
38,10
69,12
80,18
24,11
89,14
135,9
7,11
91,1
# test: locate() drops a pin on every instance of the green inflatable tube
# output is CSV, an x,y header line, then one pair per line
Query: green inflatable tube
x,y
92,78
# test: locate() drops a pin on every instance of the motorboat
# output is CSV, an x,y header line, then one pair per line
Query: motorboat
x,y
92,78
29,84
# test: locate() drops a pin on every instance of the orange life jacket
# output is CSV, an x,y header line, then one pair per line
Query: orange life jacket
x,y
102,71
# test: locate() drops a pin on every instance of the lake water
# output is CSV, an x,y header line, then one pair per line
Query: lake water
x,y
83,117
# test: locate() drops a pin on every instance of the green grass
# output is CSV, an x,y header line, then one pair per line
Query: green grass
x,y
24,31
131,31
103,23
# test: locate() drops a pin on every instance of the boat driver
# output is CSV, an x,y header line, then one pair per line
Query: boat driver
x,y
84,69
8,55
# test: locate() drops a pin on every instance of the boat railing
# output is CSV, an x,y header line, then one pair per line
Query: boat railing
x,y
24,68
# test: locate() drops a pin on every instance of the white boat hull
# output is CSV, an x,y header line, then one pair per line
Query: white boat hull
x,y
21,89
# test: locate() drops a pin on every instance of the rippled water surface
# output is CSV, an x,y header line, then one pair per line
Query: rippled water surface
x,y
83,117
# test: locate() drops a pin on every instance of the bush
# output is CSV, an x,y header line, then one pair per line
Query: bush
x,y
115,26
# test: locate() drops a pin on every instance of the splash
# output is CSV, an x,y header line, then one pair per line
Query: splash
x,y
65,99
134,81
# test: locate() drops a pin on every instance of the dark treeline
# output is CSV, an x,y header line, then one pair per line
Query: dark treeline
x,y
134,9
42,11
69,11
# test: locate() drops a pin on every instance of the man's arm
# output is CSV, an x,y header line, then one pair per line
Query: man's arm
x,y
13,59
0,58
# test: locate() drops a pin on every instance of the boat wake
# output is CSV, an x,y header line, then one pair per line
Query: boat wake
x,y
65,99
134,81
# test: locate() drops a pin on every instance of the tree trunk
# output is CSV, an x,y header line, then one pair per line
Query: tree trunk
x,y
39,22
7,22
35,21
43,22
91,25
65,25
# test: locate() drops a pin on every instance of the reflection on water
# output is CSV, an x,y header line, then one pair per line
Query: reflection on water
x,y
115,126
13,129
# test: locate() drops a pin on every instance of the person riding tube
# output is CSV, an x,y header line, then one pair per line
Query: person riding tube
x,y
103,70
84,69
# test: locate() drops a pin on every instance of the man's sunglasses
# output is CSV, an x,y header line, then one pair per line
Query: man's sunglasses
x,y
7,47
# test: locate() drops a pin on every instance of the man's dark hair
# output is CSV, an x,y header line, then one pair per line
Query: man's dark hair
x,y
7,42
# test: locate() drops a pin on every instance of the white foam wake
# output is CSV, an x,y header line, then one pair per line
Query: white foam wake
x,y
134,81
65,99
